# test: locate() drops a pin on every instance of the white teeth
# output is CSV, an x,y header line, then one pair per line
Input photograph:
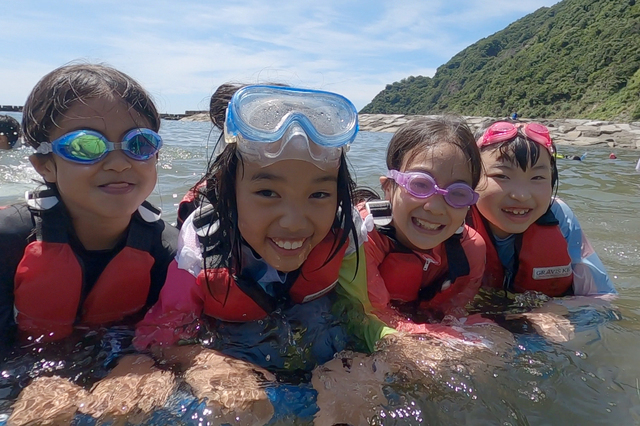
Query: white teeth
x,y
427,225
288,245
518,211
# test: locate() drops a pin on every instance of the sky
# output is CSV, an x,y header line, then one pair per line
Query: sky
x,y
182,50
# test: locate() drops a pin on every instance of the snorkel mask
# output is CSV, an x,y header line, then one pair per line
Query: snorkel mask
x,y
272,123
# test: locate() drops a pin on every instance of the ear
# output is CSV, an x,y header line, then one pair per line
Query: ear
x,y
45,166
386,187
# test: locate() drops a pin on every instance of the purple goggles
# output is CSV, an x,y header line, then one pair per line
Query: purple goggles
x,y
423,185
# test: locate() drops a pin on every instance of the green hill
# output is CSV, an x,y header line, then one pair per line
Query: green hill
x,y
578,59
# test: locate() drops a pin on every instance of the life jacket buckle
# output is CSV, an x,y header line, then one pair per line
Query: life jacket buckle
x,y
381,212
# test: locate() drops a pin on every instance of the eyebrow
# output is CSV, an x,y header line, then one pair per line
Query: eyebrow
x,y
429,172
272,177
512,166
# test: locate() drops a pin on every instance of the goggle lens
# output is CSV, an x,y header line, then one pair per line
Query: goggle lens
x,y
143,146
423,185
84,148
88,147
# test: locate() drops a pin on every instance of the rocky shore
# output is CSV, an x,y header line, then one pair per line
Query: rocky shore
x,y
563,131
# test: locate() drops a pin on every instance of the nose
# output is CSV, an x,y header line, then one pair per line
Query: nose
x,y
519,193
117,161
293,218
435,204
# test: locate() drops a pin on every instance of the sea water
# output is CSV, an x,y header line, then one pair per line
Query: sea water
x,y
592,379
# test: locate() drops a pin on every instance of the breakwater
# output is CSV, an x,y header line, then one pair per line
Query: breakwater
x,y
563,131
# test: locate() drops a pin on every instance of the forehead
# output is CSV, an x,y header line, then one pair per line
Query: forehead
x,y
101,110
291,172
493,157
435,155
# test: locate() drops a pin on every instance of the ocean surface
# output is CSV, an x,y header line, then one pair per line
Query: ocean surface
x,y
592,379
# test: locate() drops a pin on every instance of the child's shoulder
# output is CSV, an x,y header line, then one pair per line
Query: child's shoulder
x,y
16,219
561,210
150,217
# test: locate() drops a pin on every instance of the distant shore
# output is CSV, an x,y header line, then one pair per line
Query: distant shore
x,y
563,131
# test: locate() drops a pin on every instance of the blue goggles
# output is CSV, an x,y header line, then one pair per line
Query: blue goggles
x,y
272,123
89,147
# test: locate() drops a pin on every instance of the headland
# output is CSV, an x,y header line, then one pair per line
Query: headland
x,y
565,131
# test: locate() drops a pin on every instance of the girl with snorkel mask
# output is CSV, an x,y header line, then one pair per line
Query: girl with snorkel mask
x,y
267,260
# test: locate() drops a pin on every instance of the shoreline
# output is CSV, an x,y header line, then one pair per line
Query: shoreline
x,y
565,131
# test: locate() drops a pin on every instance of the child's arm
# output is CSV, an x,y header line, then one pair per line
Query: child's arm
x,y
175,316
15,227
589,274
352,286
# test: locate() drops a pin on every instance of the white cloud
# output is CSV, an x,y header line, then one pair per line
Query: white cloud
x,y
181,51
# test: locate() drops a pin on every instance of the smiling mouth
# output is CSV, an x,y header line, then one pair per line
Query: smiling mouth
x,y
288,244
426,225
517,212
116,185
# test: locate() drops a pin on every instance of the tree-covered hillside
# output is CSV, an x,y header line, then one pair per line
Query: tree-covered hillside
x,y
578,59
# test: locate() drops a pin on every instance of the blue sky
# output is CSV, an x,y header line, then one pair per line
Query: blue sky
x,y
181,50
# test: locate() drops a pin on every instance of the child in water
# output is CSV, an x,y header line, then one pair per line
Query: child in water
x,y
9,132
426,259
87,249
274,233
534,241
71,249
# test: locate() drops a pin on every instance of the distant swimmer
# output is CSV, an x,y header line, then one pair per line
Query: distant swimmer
x,y
9,132
571,157
612,156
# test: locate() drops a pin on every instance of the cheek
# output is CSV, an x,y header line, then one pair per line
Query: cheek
x,y
324,219
458,216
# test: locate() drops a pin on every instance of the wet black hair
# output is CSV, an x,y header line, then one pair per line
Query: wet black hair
x,y
10,128
57,91
218,188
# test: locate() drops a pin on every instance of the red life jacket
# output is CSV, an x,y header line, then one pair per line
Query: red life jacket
x,y
188,204
542,258
440,280
237,299
49,281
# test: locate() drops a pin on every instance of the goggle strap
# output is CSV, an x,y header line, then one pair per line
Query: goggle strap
x,y
44,148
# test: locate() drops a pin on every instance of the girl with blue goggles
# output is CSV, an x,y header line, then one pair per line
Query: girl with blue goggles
x,y
271,123
90,147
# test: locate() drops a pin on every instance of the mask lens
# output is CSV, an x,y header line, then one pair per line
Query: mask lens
x,y
263,114
84,148
421,185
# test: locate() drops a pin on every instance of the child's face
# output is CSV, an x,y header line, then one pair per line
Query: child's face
x,y
512,199
285,209
424,223
112,188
